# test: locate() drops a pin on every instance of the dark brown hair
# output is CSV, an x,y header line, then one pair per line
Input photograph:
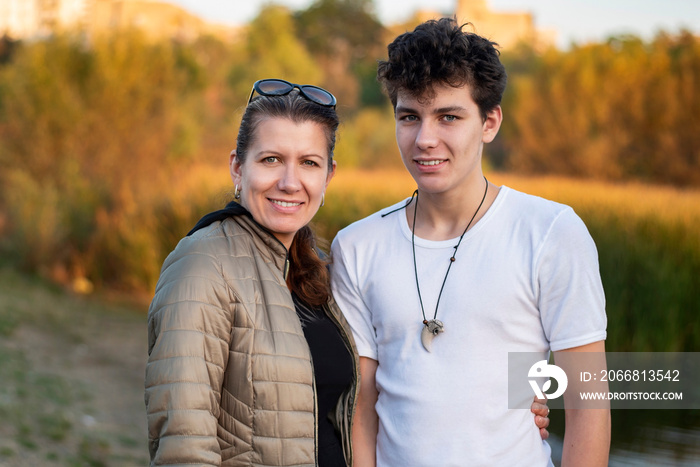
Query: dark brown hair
x,y
308,276
441,53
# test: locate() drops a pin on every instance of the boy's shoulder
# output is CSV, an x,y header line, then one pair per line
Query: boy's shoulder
x,y
521,199
375,224
536,208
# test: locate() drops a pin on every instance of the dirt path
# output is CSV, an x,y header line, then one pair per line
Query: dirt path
x,y
76,393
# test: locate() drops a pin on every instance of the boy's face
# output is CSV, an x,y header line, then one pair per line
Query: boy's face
x,y
441,139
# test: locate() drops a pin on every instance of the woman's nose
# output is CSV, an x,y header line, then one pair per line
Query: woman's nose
x,y
289,181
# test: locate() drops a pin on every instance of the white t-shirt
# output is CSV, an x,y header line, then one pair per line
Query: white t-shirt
x,y
525,279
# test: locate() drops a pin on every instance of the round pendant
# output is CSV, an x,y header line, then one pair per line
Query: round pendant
x,y
431,329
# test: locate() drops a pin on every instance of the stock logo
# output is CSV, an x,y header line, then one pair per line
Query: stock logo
x,y
542,370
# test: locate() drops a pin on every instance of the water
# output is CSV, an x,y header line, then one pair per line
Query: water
x,y
645,438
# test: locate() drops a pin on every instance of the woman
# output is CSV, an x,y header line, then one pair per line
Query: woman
x,y
249,357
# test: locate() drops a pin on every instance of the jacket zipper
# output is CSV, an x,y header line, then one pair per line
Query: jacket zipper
x,y
285,271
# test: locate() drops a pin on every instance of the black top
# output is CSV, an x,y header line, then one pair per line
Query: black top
x,y
333,373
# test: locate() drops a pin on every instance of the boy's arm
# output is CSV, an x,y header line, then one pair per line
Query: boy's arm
x,y
365,425
587,434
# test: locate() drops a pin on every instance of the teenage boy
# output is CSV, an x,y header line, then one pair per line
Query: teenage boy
x,y
439,289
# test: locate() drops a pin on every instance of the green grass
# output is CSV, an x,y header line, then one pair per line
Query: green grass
x,y
36,407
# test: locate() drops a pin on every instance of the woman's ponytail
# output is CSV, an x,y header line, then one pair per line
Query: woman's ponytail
x,y
308,274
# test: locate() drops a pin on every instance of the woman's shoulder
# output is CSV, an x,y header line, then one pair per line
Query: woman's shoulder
x,y
209,246
212,240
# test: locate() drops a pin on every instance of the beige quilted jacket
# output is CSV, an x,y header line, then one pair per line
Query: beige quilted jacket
x,y
229,379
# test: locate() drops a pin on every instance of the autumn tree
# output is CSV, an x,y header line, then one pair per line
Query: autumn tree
x,y
88,135
272,49
622,109
346,38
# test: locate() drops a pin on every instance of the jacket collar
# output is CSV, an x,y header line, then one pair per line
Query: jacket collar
x,y
245,219
232,209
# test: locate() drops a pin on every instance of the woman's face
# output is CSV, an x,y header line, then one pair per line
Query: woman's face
x,y
284,175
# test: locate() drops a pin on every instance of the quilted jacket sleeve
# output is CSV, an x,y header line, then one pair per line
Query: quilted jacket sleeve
x,y
189,329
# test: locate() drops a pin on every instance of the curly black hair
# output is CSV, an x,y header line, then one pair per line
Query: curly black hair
x,y
439,52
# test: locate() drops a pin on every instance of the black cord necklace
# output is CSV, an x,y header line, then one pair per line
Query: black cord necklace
x,y
434,326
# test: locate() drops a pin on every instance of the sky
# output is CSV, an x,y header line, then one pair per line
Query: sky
x,y
577,21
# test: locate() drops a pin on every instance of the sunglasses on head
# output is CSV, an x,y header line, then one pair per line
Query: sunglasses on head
x,y
280,87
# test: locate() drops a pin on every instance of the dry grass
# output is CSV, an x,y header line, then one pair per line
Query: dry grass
x,y
623,200
648,240
630,199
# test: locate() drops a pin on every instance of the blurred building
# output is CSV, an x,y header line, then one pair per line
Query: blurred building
x,y
507,28
55,15
18,18
29,19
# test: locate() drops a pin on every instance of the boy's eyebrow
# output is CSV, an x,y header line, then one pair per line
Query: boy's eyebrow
x,y
441,110
405,110
452,108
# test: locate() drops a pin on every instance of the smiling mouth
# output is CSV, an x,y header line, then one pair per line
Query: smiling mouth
x,y
284,204
436,162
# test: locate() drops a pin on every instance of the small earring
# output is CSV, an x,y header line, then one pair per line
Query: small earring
x,y
237,192
323,199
